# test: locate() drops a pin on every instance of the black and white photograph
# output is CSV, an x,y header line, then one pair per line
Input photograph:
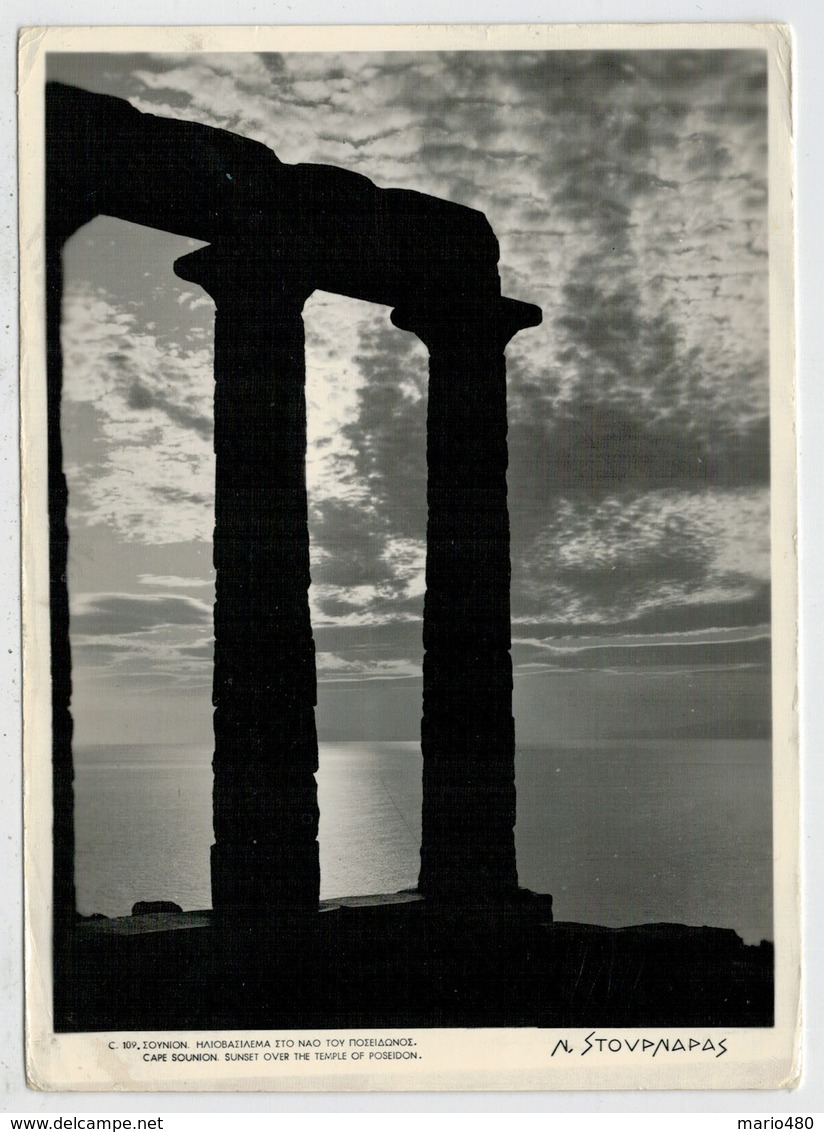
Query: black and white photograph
x,y
410,571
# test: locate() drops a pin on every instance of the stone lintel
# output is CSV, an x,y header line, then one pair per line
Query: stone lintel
x,y
381,245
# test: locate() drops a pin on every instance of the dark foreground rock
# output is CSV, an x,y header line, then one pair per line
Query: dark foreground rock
x,y
399,961
145,907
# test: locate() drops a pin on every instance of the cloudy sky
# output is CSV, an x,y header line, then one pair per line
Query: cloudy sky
x,y
628,192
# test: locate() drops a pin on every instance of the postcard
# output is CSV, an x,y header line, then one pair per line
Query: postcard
x,y
409,563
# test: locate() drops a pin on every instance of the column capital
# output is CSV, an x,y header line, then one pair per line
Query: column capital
x,y
226,269
465,323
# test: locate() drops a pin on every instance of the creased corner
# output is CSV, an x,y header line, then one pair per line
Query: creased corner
x,y
29,48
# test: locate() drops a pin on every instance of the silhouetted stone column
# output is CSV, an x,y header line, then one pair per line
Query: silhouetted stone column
x,y
467,731
63,891
265,855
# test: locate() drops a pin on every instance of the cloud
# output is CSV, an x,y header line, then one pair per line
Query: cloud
x,y
172,581
628,191
688,639
388,435
383,639
142,641
350,542
618,559
696,650
332,668
591,449
141,397
117,614
151,473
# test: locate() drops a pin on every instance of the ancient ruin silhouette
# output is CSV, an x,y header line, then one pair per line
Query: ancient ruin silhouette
x,y
276,233
469,948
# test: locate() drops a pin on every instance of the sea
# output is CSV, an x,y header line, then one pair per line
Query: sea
x,y
618,833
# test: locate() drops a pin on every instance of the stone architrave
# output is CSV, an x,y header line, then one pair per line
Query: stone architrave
x,y
265,856
467,731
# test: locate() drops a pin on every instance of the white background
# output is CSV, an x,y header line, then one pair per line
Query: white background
x,y
807,20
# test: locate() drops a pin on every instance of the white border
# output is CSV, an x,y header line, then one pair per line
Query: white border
x,y
312,13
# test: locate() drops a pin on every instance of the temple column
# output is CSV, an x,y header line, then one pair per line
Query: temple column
x,y
265,856
467,731
63,890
